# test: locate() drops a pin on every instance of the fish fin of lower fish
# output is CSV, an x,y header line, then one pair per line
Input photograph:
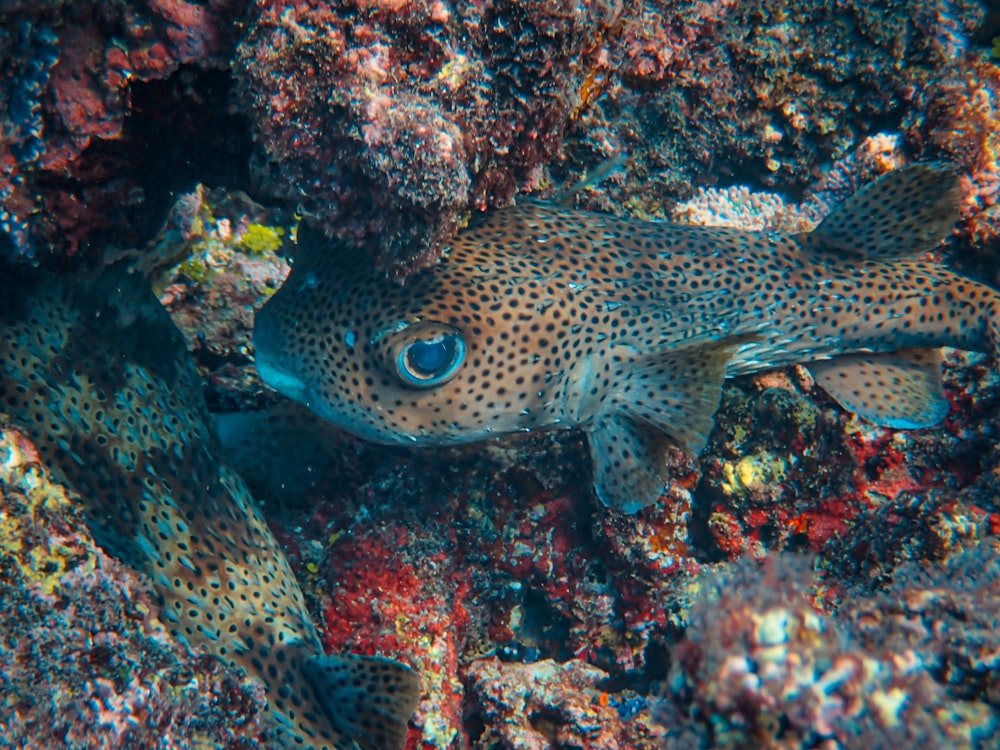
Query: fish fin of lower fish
x,y
900,389
901,215
629,463
367,698
678,390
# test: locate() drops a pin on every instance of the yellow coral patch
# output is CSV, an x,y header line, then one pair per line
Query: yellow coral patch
x,y
31,497
752,472
260,239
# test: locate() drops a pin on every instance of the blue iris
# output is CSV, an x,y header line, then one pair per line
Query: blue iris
x,y
427,357
425,363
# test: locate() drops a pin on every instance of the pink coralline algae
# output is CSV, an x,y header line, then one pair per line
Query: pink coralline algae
x,y
67,72
83,658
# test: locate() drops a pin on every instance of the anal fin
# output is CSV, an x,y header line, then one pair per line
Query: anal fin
x,y
367,698
900,389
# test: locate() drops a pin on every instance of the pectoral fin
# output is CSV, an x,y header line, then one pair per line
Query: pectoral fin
x,y
662,398
630,466
678,391
899,389
367,698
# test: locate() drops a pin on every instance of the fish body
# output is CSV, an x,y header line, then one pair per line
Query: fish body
x,y
545,317
97,375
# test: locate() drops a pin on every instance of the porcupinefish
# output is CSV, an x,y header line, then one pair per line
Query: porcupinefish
x,y
98,377
546,317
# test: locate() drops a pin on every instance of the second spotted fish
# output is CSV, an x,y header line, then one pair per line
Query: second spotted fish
x,y
95,374
544,317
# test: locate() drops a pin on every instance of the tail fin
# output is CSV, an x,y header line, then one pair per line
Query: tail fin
x,y
367,698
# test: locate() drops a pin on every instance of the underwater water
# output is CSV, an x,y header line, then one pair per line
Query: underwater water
x,y
442,375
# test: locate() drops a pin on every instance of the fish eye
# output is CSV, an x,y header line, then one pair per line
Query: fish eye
x,y
433,357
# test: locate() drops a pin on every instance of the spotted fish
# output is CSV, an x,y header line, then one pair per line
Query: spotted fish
x,y
97,375
545,317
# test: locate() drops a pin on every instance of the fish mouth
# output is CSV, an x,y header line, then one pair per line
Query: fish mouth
x,y
275,369
281,380
269,365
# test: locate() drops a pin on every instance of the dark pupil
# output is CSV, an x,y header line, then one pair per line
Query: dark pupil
x,y
427,358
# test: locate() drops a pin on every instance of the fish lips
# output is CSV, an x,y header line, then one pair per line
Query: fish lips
x,y
268,360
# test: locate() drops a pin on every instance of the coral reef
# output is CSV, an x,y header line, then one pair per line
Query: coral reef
x,y
946,615
548,704
214,260
433,110
955,119
537,617
73,173
764,668
387,121
766,92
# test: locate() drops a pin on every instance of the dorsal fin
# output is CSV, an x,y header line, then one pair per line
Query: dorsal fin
x,y
903,214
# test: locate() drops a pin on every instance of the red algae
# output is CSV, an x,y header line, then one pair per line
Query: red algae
x,y
377,598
